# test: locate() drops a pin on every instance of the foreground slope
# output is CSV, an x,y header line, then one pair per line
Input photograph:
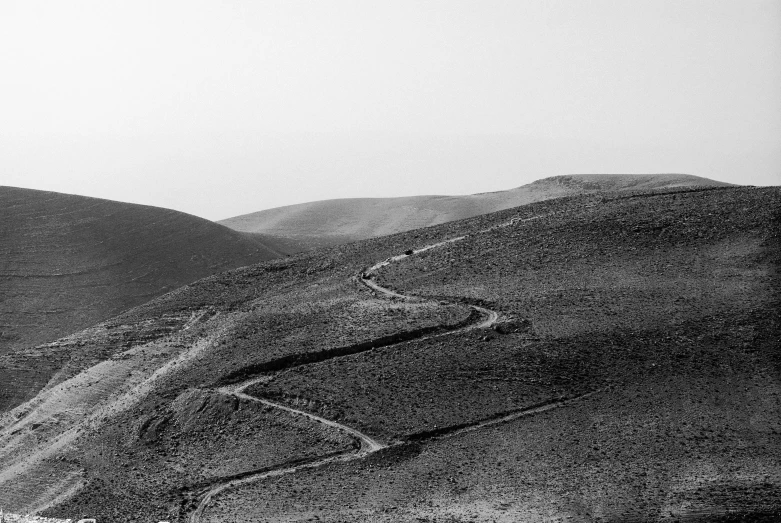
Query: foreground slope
x,y
332,222
633,374
67,262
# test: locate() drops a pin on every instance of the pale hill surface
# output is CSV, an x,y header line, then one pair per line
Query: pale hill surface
x,y
67,262
331,222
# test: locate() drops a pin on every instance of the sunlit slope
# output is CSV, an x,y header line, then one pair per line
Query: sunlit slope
x,y
633,376
135,409
338,221
639,351
68,261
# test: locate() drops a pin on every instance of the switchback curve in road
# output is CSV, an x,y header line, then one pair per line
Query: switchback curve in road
x,y
368,445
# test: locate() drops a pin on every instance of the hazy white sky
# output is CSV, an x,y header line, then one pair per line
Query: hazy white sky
x,y
220,108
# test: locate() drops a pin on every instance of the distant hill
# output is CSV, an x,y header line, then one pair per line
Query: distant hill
x,y
67,262
331,222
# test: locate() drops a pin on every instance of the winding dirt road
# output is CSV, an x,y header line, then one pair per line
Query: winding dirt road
x,y
368,445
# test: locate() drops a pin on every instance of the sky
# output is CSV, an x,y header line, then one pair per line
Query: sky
x,y
221,108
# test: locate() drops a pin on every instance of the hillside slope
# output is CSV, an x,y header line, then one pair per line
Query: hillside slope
x,y
633,374
67,262
331,222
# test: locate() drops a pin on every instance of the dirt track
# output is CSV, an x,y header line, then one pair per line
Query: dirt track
x,y
367,444
480,407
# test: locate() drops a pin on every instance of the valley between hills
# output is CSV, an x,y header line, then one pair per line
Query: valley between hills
x,y
609,356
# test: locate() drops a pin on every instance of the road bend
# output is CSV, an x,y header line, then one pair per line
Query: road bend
x,y
368,445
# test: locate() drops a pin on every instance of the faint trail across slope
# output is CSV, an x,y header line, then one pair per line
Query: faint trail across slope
x,y
505,417
39,431
366,276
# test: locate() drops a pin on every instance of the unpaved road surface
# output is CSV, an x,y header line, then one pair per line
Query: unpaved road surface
x,y
368,445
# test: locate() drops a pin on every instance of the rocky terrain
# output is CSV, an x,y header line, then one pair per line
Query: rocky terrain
x,y
332,222
68,262
609,357
24,518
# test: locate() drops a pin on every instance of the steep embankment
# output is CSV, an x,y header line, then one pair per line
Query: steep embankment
x,y
67,262
332,222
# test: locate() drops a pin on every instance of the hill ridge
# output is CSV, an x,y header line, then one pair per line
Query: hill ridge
x,y
330,222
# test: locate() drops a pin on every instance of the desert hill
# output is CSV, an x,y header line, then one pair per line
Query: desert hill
x,y
332,222
67,262
589,358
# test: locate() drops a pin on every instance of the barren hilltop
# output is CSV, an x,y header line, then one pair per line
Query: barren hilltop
x,y
332,222
602,357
